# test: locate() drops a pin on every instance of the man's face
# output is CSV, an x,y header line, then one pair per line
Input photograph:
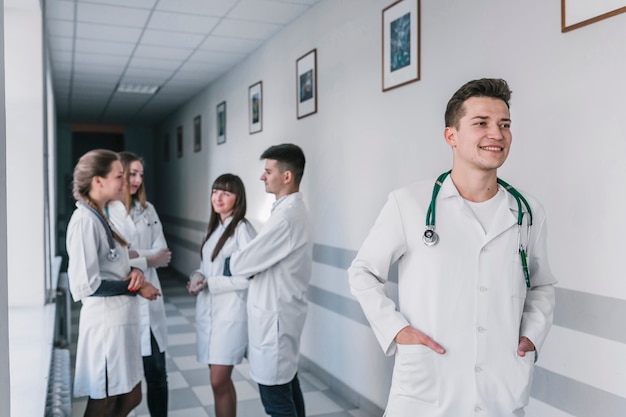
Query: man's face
x,y
272,177
483,137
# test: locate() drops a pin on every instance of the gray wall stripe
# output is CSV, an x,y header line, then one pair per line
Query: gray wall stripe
x,y
339,304
187,244
590,313
190,224
575,397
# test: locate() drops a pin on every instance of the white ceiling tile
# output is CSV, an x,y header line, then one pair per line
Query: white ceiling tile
x,y
215,57
95,61
267,11
59,9
107,32
61,44
220,43
246,29
144,76
142,4
63,28
165,63
174,39
178,22
122,16
205,7
148,51
103,47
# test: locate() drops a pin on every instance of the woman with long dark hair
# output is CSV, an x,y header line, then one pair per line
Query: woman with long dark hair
x,y
221,318
108,355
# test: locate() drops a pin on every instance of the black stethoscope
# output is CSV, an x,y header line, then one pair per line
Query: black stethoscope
x,y
113,255
431,237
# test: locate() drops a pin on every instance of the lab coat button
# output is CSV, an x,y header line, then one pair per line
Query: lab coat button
x,y
478,369
478,409
481,329
483,289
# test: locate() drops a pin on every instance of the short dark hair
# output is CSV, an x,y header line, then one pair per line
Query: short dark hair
x,y
485,87
289,158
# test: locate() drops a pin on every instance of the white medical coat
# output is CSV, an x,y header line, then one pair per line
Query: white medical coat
x,y
280,258
108,330
467,292
221,317
143,230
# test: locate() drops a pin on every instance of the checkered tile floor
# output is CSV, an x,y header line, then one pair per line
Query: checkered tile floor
x,y
189,385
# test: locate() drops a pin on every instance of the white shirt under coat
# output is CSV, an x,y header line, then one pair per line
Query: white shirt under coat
x,y
108,331
221,317
280,258
467,293
144,232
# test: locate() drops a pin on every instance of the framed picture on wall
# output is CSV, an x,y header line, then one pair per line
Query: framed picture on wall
x,y
166,148
197,133
306,84
179,141
578,13
401,43
221,123
255,107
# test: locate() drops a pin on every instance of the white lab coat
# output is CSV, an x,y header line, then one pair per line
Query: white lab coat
x,y
467,292
144,232
108,331
280,258
221,317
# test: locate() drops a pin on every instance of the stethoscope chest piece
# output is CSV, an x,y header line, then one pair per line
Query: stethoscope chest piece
x,y
113,256
430,237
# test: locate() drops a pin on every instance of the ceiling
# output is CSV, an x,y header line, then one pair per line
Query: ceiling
x,y
181,46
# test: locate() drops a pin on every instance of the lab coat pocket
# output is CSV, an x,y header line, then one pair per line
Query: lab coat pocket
x,y
263,328
415,374
521,379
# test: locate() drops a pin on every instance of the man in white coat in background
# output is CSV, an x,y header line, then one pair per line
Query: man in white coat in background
x,y
475,291
279,261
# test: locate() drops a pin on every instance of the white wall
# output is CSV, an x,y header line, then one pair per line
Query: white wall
x,y
567,110
25,170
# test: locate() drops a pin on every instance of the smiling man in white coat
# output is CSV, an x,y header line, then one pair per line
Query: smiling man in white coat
x,y
279,260
475,291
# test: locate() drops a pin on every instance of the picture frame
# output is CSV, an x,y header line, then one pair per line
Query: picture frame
x,y
221,122
166,147
306,84
579,13
179,141
197,133
400,44
255,107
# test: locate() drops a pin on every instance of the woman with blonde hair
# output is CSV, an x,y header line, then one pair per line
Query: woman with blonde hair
x,y
139,222
108,357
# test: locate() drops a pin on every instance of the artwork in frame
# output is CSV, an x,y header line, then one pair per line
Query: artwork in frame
x,y
255,107
166,148
578,13
306,84
401,43
179,141
197,133
221,123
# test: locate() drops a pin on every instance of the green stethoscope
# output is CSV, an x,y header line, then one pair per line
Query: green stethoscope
x,y
430,237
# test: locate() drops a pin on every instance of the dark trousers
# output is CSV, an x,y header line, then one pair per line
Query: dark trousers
x,y
283,400
156,378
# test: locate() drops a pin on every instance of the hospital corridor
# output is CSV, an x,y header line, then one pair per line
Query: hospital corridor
x,y
513,298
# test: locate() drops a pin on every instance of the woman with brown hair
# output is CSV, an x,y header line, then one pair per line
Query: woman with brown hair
x,y
108,357
221,318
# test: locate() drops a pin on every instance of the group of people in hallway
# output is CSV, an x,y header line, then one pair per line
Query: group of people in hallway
x,y
475,291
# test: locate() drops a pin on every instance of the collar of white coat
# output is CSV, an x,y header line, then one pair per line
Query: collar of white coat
x,y
448,189
286,198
